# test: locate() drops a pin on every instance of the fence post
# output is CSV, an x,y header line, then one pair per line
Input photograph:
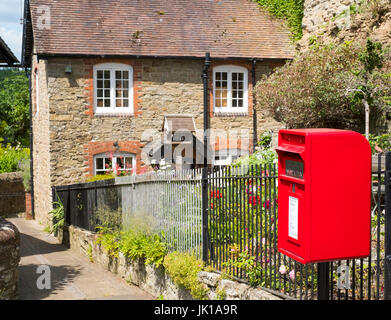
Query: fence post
x,y
387,240
205,238
323,281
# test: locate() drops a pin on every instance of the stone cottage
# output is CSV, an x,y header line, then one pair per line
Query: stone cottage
x,y
104,74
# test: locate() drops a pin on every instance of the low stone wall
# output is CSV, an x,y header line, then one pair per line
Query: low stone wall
x,y
155,280
12,194
9,260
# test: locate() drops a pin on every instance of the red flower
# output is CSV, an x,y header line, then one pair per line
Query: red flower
x,y
212,206
266,205
254,200
215,194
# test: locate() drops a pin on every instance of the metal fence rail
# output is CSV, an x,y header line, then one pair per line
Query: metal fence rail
x,y
168,202
239,234
243,206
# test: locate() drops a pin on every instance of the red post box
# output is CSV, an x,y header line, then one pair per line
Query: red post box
x,y
324,194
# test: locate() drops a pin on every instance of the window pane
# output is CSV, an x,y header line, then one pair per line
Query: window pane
x,y
100,93
234,103
125,74
125,103
107,74
118,75
99,164
118,103
118,84
107,103
100,103
99,74
128,163
99,84
224,75
241,75
218,75
240,103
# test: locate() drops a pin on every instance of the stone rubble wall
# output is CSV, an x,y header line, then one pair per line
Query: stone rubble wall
x,y
12,195
155,280
9,260
317,13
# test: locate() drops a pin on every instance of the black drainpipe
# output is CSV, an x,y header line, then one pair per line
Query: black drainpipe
x,y
205,237
255,133
28,74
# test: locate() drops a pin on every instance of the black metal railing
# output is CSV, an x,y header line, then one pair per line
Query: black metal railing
x,y
242,225
239,230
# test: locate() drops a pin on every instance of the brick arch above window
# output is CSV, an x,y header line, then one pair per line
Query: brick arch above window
x,y
94,148
91,86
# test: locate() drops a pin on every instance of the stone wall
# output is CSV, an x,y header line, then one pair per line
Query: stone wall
x,y
155,280
317,13
9,260
41,143
12,195
67,134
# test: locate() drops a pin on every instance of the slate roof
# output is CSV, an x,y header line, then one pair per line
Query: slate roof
x,y
169,28
6,55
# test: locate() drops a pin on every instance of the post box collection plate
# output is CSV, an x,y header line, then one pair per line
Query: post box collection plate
x,y
324,179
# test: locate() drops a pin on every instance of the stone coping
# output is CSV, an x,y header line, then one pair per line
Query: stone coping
x,y
8,232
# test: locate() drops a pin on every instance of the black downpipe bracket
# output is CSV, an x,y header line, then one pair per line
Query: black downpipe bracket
x,y
255,129
205,237
28,74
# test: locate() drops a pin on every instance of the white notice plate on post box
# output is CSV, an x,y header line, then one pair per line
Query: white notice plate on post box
x,y
293,217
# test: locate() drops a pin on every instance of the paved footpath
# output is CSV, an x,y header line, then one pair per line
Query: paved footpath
x,y
73,276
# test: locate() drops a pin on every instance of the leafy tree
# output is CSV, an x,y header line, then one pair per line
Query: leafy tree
x,y
319,88
14,107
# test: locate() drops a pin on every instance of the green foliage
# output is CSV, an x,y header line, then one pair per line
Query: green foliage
x,y
221,294
25,165
14,107
89,253
246,262
58,216
100,177
320,87
149,247
383,142
11,158
107,220
183,269
259,157
290,10
110,242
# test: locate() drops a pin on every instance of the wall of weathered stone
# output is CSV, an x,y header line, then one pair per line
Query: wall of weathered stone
x,y
9,260
317,13
67,133
155,280
12,195
41,144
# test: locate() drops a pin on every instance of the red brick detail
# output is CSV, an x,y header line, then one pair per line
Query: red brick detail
x,y
28,210
97,147
89,80
248,66
242,144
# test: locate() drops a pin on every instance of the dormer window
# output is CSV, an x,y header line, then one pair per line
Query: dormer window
x,y
113,88
230,89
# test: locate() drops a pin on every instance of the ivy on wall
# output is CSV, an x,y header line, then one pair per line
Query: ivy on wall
x,y
290,10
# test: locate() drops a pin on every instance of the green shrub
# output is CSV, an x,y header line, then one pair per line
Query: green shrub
x,y
99,177
320,89
149,247
110,242
11,158
107,220
26,174
183,269
58,216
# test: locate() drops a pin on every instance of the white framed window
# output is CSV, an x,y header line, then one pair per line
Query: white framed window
x,y
113,88
230,89
118,163
226,157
